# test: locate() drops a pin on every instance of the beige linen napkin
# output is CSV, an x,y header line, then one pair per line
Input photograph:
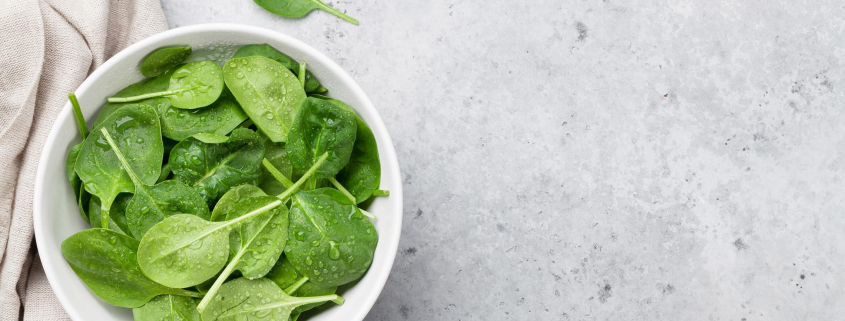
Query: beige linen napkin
x,y
47,48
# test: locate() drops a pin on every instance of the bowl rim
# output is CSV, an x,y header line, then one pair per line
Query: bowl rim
x,y
378,128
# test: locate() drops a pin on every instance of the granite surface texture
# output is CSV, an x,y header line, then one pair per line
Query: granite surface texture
x,y
601,160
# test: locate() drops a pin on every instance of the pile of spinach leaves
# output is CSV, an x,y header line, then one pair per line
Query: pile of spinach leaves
x,y
222,193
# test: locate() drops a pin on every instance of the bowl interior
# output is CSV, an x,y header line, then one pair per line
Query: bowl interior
x,y
55,213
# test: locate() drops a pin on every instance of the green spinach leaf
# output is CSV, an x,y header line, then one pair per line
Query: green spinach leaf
x,y
70,163
138,134
213,164
331,242
194,85
299,8
259,299
321,126
105,261
229,201
268,92
275,154
81,195
164,59
168,308
311,83
362,174
220,118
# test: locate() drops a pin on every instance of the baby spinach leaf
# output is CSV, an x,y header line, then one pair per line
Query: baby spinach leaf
x,y
285,275
152,203
321,126
362,174
230,200
275,154
299,8
156,84
185,250
70,163
212,163
331,242
168,307
106,261
259,299
268,92
254,245
164,59
81,195
311,83
220,118
138,135
194,85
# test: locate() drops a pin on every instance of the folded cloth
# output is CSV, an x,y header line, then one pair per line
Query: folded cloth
x,y
47,48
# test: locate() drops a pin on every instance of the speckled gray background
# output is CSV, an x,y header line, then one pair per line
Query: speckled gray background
x,y
593,160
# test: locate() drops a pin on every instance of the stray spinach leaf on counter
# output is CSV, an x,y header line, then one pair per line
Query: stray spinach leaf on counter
x,y
192,208
300,8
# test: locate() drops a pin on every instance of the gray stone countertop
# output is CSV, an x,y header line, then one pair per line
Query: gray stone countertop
x,y
601,160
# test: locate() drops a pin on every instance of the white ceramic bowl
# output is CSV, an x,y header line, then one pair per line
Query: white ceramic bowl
x,y
56,215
